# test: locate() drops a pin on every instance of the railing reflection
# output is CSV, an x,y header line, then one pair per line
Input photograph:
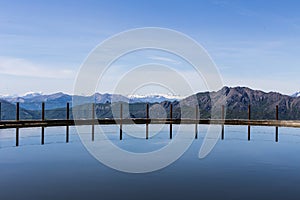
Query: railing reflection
x,y
93,120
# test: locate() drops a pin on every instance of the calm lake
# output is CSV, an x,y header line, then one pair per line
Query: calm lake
x,y
235,169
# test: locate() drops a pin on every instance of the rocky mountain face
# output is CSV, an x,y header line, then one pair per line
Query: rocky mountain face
x,y
262,104
8,112
235,100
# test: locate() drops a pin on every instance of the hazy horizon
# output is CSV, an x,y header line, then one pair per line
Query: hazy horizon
x,y
136,95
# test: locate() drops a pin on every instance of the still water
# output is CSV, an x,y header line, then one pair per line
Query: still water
x,y
235,169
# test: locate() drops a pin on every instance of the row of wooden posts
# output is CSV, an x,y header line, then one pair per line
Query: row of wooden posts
x,y
249,127
147,122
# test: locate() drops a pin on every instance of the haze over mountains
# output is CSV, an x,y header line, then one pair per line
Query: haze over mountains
x,y
235,99
32,101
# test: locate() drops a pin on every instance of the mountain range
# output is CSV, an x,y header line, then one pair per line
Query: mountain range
x,y
235,99
32,101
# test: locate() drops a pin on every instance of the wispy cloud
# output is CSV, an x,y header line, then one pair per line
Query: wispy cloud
x,y
245,50
165,59
23,67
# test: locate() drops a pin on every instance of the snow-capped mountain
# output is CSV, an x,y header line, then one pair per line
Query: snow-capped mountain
x,y
297,94
32,100
153,98
108,98
29,95
237,99
3,96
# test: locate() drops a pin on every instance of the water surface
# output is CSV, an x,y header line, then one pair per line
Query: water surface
x,y
235,169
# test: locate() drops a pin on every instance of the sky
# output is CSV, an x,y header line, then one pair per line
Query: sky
x,y
253,43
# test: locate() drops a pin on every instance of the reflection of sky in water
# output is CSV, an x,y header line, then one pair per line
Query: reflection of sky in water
x,y
235,169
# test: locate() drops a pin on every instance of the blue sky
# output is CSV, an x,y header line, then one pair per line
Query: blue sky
x,y
253,43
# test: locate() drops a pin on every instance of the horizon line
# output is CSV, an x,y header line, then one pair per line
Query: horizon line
x,y
166,95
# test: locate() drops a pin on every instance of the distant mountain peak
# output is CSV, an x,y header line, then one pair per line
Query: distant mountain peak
x,y
171,96
296,94
32,94
153,98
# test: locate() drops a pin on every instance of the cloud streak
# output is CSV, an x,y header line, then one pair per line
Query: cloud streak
x,y
165,59
24,68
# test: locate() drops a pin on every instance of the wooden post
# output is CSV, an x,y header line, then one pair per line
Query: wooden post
x,y
277,115
43,136
17,137
43,111
17,119
93,125
171,118
276,134
223,118
249,118
249,112
197,121
276,129
121,116
43,119
68,117
147,125
18,111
